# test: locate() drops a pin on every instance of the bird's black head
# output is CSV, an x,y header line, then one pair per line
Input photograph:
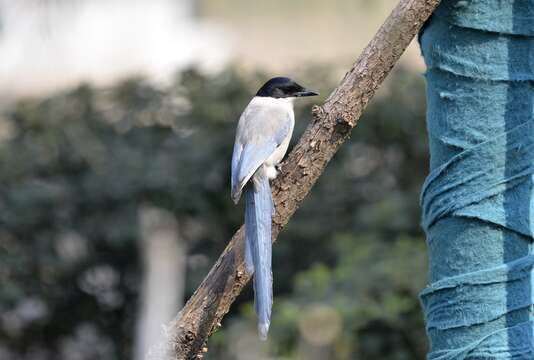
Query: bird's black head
x,y
282,87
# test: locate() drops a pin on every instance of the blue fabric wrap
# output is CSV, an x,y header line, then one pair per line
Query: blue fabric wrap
x,y
477,202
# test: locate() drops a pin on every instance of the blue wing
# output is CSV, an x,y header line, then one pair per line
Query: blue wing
x,y
259,133
250,159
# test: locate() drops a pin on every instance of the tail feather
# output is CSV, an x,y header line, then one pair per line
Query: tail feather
x,y
249,238
258,250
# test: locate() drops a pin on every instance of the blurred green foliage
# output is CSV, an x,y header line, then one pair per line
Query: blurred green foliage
x,y
75,168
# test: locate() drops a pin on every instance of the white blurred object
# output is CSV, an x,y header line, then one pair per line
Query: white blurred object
x,y
85,343
70,246
319,327
48,45
164,257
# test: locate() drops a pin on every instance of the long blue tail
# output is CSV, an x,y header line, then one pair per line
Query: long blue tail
x,y
258,245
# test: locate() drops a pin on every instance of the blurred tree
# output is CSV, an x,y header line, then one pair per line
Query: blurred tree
x,y
75,169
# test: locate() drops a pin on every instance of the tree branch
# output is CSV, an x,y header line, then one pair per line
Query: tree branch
x,y
331,126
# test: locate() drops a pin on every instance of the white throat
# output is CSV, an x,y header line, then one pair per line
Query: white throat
x,y
274,102
289,100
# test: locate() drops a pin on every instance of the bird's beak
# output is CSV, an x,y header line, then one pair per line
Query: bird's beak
x,y
306,92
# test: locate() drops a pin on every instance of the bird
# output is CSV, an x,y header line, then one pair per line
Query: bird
x,y
263,134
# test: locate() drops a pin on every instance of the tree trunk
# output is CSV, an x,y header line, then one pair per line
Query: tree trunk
x,y
163,252
477,200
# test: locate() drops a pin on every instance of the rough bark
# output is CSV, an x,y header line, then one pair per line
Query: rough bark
x,y
331,126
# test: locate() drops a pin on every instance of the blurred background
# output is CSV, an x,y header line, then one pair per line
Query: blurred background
x,y
117,121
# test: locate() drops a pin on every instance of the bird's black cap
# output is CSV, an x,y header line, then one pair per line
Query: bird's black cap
x,y
282,87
